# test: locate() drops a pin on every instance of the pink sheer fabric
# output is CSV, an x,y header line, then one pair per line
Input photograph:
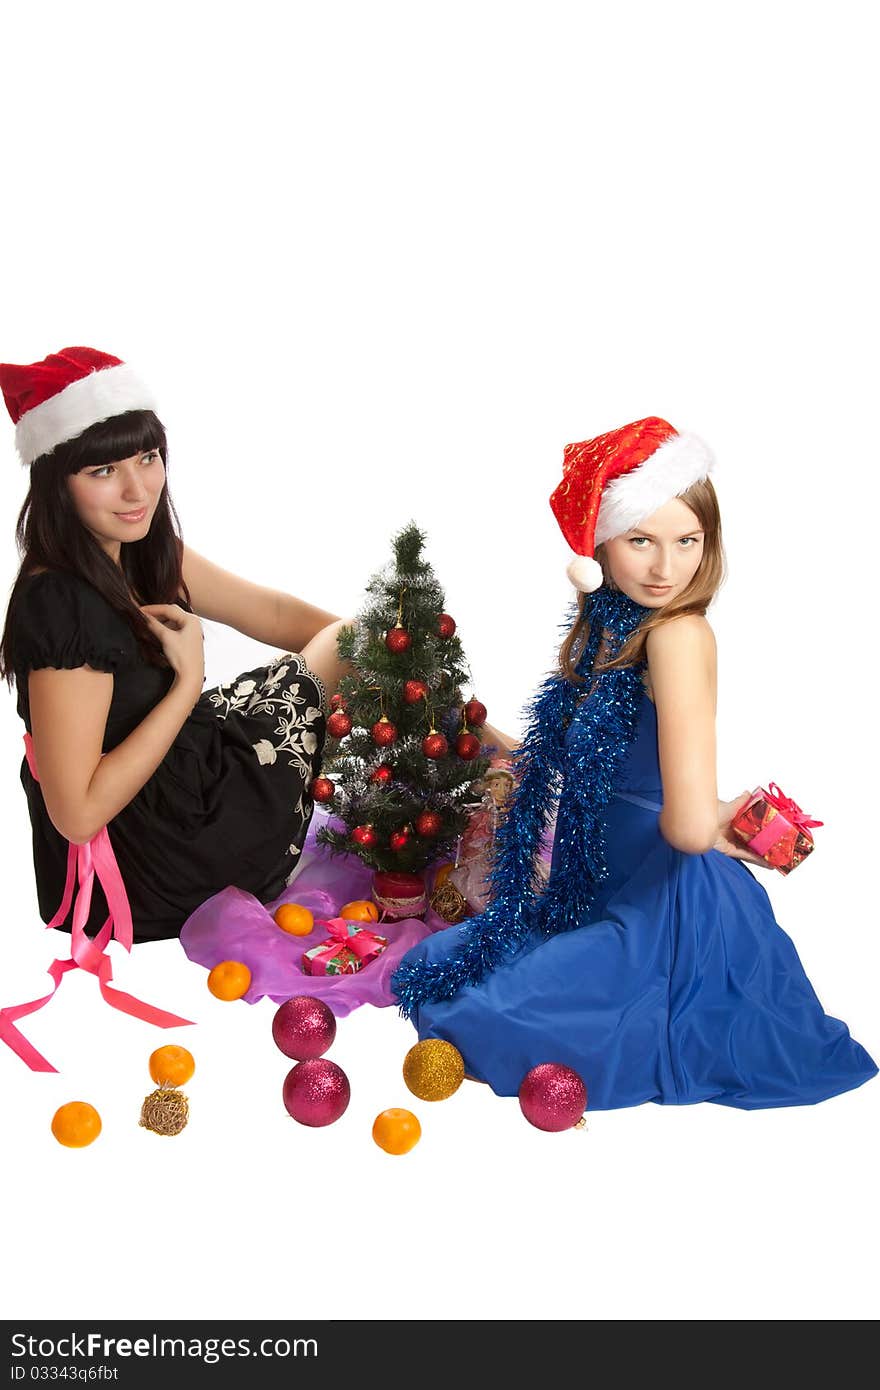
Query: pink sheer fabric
x,y
233,925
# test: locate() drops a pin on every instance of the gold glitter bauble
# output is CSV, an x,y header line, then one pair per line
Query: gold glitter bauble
x,y
165,1111
448,903
433,1069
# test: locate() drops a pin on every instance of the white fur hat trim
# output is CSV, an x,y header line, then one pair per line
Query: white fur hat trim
x,y
674,466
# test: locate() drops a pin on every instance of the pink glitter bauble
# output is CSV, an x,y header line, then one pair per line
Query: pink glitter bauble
x,y
552,1096
317,1092
304,1027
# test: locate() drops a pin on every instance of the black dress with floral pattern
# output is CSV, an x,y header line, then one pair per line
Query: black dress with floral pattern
x,y
230,803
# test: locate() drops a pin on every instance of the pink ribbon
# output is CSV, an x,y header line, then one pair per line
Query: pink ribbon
x,y
83,863
789,814
362,943
790,809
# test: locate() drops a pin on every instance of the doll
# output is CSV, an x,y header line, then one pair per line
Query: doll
x,y
470,875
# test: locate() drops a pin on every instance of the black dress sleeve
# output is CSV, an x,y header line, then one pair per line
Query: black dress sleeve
x,y
59,620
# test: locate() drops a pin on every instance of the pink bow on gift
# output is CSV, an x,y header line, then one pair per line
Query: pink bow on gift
x,y
790,809
359,941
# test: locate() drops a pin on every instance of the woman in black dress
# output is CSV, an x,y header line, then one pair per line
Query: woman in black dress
x,y
198,790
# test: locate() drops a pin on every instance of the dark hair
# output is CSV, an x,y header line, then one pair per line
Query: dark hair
x,y
50,535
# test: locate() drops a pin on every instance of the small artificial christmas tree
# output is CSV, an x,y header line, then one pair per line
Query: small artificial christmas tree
x,y
403,750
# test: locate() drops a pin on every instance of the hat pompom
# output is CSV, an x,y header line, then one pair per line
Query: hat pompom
x,y
585,574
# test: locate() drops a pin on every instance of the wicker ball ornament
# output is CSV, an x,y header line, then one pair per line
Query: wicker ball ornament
x,y
433,1069
449,903
165,1111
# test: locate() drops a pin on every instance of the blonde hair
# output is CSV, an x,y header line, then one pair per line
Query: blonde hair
x,y
703,501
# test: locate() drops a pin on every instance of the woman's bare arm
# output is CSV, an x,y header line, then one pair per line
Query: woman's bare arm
x,y
82,789
267,615
682,663
493,738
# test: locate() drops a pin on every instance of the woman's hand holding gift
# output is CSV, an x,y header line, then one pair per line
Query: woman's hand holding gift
x,y
726,843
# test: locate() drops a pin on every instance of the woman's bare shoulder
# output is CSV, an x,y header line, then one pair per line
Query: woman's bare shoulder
x,y
688,633
681,657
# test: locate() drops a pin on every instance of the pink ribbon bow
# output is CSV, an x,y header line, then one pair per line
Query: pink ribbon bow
x,y
790,809
84,862
361,942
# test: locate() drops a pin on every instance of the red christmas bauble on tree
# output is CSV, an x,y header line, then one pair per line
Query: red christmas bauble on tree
x,y
323,789
467,746
434,746
428,824
445,625
339,724
399,839
384,733
414,691
475,713
397,639
364,835
337,701
382,775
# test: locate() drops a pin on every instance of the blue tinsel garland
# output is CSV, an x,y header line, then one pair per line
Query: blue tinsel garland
x,y
582,777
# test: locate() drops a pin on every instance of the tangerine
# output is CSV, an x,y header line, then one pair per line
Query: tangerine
x,y
361,910
442,874
229,980
171,1065
396,1130
294,918
76,1124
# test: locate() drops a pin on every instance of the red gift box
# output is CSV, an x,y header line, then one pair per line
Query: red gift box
x,y
348,948
775,828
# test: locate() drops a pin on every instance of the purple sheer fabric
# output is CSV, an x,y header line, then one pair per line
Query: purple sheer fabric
x,y
233,925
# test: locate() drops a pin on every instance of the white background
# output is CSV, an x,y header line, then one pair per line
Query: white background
x,y
381,262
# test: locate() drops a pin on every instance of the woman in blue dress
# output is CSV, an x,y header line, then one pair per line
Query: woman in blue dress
x,y
650,960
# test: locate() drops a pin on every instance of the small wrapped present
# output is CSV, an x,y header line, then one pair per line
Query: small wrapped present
x,y
348,949
775,828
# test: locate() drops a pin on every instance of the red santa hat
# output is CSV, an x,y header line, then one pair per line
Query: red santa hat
x,y
613,482
53,401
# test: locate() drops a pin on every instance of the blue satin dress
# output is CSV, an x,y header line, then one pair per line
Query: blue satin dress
x,y
679,987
